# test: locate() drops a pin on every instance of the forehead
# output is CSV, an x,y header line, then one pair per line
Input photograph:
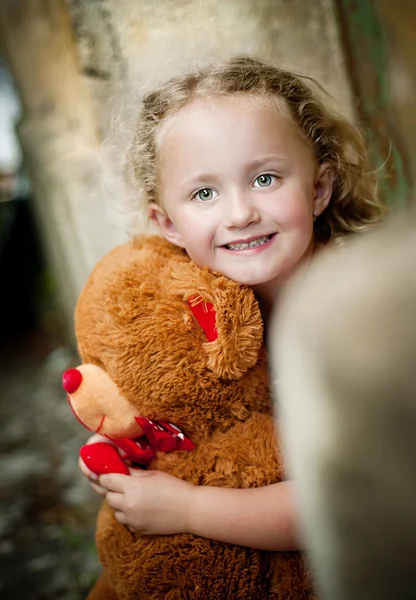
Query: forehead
x,y
243,117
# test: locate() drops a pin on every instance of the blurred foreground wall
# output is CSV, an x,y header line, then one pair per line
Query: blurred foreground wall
x,y
80,67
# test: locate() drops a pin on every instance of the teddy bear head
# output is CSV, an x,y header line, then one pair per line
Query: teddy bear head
x,y
179,343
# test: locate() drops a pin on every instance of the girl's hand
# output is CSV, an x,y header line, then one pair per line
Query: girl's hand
x,y
149,502
93,478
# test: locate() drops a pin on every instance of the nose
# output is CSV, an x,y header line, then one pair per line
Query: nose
x,y
71,380
241,211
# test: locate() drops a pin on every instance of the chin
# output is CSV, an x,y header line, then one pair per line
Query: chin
x,y
256,277
248,281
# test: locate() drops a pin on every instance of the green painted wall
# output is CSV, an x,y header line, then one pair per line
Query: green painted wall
x,y
367,54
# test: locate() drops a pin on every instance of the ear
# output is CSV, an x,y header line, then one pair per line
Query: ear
x,y
165,225
323,188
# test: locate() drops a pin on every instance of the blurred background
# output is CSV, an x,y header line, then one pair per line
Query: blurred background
x,y
71,75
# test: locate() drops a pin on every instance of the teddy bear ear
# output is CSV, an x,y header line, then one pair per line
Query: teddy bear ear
x,y
233,328
228,315
205,314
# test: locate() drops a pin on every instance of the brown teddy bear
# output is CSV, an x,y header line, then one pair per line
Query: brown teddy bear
x,y
183,347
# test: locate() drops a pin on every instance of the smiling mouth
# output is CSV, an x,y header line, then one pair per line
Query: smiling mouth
x,y
249,245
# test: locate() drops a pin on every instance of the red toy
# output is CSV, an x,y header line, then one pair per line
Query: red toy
x,y
147,437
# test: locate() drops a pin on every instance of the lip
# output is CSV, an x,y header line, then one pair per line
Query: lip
x,y
250,239
250,251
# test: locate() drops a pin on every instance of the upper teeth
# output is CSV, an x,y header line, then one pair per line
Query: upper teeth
x,y
247,245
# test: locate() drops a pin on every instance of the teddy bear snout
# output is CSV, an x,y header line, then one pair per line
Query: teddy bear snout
x,y
96,399
71,380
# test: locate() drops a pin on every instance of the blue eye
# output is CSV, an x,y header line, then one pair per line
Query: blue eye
x,y
264,180
204,194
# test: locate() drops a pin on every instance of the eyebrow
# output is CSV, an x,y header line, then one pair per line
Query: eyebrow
x,y
200,178
261,162
257,163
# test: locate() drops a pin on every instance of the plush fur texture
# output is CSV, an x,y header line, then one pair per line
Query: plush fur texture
x,y
132,320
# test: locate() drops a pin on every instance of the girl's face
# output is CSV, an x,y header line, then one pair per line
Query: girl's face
x,y
238,189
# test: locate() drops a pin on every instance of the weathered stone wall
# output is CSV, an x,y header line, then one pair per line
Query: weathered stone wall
x,y
127,46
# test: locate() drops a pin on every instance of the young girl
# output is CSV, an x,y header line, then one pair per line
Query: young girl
x,y
242,166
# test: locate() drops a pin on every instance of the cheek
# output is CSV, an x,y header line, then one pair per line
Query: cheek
x,y
197,228
196,239
295,214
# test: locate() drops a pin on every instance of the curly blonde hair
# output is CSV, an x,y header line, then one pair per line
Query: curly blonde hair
x,y
354,204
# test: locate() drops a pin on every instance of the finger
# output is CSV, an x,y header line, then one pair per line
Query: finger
x,y
86,471
138,472
99,489
96,437
115,500
121,517
113,481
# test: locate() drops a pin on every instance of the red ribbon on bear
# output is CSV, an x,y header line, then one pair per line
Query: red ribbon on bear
x,y
159,436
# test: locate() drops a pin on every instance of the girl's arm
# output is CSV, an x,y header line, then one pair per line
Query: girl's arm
x,y
263,518
156,503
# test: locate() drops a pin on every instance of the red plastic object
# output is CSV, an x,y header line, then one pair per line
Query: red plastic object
x,y
71,380
102,458
204,313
